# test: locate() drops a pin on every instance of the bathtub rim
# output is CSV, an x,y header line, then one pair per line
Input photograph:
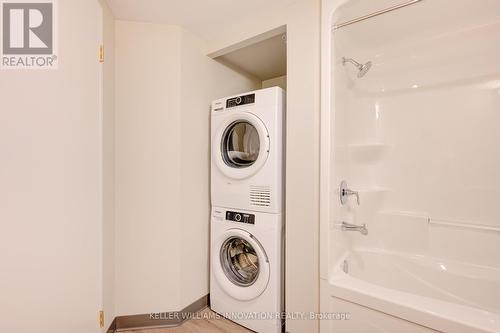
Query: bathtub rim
x,y
428,312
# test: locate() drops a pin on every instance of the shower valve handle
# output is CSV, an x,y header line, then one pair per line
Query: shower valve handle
x,y
346,192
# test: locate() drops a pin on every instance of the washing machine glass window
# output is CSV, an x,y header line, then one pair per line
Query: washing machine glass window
x,y
240,144
239,261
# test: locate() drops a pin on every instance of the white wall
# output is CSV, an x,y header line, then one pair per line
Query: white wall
x,y
147,137
164,86
279,81
302,164
50,185
302,21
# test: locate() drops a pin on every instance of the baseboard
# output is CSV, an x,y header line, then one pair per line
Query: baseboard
x,y
112,327
157,320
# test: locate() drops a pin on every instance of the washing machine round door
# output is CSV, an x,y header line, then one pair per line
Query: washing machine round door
x,y
241,145
240,264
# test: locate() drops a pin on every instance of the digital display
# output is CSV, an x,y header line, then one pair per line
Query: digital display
x,y
240,100
240,217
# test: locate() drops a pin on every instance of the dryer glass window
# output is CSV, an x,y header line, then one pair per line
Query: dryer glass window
x,y
240,144
239,261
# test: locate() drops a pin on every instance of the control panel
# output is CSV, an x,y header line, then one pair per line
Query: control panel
x,y
240,217
240,100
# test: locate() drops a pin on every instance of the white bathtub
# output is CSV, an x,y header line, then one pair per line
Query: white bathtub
x,y
423,293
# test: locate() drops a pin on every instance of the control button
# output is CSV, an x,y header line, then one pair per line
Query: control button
x,y
237,217
238,100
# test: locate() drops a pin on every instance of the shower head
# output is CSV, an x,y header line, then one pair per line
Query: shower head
x,y
362,68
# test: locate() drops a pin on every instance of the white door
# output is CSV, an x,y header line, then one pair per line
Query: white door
x,y
241,145
240,264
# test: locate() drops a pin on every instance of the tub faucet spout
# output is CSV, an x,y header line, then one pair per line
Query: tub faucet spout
x,y
354,227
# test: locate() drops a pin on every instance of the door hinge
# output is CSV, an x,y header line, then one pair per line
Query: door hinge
x,y
101,53
101,319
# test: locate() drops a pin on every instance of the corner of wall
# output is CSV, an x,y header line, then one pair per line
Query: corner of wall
x,y
202,80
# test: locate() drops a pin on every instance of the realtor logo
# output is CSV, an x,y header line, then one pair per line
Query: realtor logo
x,y
28,35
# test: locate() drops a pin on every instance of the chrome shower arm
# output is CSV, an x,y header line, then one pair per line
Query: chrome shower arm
x,y
352,61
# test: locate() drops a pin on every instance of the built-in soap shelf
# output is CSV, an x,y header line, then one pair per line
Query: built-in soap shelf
x,y
367,153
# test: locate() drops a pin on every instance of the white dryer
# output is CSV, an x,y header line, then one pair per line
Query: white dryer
x,y
246,268
247,151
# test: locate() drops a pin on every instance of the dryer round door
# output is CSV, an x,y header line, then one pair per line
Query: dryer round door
x,y
240,264
241,145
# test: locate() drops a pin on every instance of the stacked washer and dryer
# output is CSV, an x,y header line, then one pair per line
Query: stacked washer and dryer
x,y
247,226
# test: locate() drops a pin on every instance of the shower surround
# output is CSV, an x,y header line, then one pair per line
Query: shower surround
x,y
417,137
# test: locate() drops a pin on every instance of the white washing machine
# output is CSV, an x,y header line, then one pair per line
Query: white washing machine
x,y
247,151
246,268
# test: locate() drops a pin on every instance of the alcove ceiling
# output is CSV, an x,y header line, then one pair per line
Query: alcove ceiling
x,y
206,18
263,60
